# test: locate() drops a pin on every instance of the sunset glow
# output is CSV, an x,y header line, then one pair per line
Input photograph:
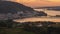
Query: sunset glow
x,y
53,0
35,3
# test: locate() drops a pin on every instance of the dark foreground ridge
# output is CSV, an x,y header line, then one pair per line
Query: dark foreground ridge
x,y
10,27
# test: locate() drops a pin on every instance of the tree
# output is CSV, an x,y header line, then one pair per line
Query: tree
x,y
6,23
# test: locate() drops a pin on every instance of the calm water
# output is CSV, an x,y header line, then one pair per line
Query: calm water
x,y
49,12
33,19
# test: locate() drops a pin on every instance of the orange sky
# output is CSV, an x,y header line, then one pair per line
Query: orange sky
x,y
36,3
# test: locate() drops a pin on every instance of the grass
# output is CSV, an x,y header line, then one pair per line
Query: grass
x,y
14,31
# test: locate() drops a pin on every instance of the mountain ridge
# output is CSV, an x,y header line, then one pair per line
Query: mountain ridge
x,y
8,6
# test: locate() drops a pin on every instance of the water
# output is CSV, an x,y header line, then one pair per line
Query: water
x,y
52,12
49,12
33,19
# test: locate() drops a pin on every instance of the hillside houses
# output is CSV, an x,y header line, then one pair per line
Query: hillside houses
x,y
14,10
7,16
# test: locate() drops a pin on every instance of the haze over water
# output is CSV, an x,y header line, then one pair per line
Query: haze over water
x,y
49,12
43,18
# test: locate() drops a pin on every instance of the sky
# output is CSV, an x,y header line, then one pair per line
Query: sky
x,y
38,3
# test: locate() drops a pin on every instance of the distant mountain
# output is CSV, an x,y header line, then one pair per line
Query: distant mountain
x,y
8,6
57,8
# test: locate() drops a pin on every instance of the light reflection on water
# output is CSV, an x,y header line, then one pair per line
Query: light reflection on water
x,y
52,12
33,19
49,12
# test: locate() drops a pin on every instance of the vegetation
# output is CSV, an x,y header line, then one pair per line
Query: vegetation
x,y
6,27
45,29
27,28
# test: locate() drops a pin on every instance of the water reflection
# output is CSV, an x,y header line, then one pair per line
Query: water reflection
x,y
33,19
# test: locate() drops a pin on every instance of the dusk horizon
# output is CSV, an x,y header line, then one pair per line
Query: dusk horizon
x,y
29,16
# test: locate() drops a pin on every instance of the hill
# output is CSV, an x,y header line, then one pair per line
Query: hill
x,y
17,10
12,7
